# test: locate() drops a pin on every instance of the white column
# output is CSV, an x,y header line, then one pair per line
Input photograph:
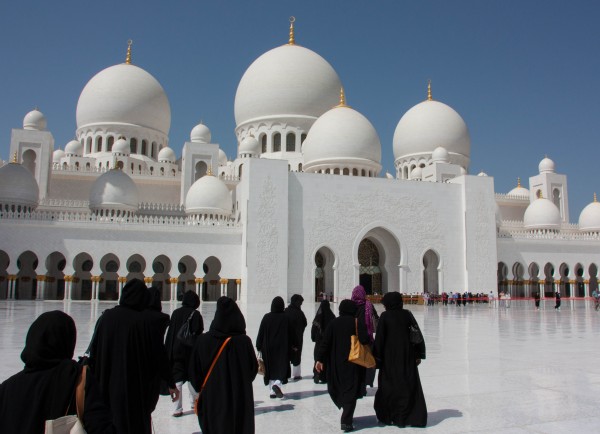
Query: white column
x,y
238,288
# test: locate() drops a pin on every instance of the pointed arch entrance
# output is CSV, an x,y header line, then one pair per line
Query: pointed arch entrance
x,y
324,274
431,265
378,256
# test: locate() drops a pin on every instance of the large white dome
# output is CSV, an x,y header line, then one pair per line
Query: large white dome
x,y
208,195
114,190
589,219
124,94
429,125
542,214
290,81
342,135
18,186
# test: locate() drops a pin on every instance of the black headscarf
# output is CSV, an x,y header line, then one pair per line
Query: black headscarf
x,y
191,299
50,339
228,320
297,300
392,301
347,307
324,315
277,305
154,301
134,295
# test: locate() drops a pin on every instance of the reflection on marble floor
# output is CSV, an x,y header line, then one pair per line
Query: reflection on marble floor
x,y
514,370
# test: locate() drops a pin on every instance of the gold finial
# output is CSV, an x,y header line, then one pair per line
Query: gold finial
x,y
429,98
14,160
128,57
518,182
209,171
342,98
595,198
292,40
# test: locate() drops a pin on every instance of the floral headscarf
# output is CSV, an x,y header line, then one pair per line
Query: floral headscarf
x,y
359,296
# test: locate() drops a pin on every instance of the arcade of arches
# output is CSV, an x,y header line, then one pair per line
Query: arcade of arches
x,y
45,278
520,281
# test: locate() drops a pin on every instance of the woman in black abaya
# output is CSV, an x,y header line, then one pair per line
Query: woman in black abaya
x,y
399,399
322,319
276,341
344,378
45,388
226,405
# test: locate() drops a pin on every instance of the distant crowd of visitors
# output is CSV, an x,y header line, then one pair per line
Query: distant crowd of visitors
x,y
137,353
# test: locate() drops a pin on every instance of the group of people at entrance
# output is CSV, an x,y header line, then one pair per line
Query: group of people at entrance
x,y
131,362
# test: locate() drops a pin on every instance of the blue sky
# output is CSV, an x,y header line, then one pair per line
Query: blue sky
x,y
523,74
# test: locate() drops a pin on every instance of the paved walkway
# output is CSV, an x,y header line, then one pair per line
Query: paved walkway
x,y
514,370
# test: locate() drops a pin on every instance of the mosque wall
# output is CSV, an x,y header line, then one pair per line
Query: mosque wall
x,y
405,219
71,187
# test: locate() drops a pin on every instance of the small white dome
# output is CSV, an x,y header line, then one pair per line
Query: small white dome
x,y
482,174
167,155
429,125
546,165
416,173
589,219
114,190
290,81
249,146
57,155
74,149
200,134
124,94
18,186
208,195
440,155
34,120
342,135
519,191
121,146
542,214
222,158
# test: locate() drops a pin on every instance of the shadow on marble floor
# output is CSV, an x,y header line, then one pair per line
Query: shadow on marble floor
x,y
436,417
273,408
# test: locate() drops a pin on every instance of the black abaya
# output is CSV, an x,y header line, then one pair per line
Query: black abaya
x,y
298,323
343,377
276,341
178,353
227,402
399,399
322,319
126,360
45,388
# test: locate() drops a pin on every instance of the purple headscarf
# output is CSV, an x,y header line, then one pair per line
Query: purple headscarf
x,y
359,297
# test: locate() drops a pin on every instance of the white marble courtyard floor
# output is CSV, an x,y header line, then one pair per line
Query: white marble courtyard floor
x,y
514,370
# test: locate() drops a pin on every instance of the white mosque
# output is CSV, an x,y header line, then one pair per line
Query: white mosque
x,y
303,207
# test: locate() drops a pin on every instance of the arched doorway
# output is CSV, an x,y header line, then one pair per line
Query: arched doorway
x,y
502,278
26,284
593,282
161,266
211,287
200,170
81,287
518,289
431,264
565,285
187,280
534,280
54,287
324,274
579,283
370,273
108,288
29,160
136,265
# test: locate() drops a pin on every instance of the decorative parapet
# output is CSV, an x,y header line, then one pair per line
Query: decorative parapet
x,y
63,203
501,197
568,231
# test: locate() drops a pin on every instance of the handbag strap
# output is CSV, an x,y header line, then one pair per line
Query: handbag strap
x,y
80,393
213,364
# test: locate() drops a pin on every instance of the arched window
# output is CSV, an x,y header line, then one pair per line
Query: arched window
x,y
99,144
133,146
290,142
109,143
240,171
89,145
153,150
277,142
144,147
302,138
556,200
263,142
